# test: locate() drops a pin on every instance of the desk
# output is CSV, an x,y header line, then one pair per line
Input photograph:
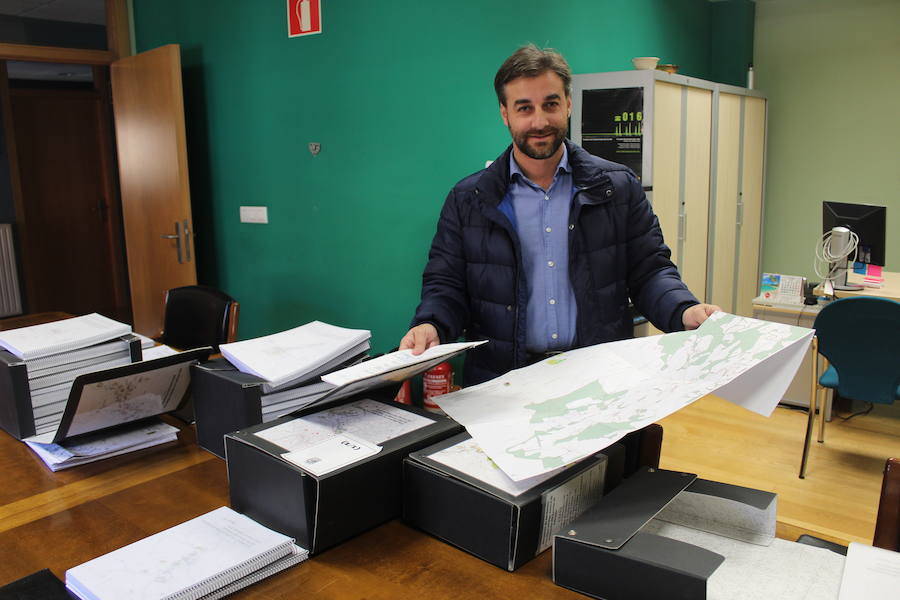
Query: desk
x,y
59,520
32,319
891,289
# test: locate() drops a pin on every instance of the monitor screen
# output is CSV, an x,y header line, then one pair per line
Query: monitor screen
x,y
866,221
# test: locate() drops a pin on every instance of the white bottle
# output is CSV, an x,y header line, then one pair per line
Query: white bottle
x,y
750,77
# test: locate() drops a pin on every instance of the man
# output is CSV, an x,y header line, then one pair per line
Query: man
x,y
541,251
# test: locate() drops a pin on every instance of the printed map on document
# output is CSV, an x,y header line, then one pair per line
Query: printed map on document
x,y
539,418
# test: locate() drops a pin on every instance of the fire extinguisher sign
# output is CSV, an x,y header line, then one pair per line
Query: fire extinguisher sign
x,y
304,17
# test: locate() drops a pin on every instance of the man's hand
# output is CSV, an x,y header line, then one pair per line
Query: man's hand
x,y
694,316
420,338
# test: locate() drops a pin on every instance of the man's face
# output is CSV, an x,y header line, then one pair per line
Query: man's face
x,y
536,113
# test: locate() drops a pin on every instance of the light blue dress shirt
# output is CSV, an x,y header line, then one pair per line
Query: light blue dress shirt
x,y
541,219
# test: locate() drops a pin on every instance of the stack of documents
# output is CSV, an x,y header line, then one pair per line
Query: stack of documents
x,y
291,357
90,448
359,375
56,353
208,557
114,411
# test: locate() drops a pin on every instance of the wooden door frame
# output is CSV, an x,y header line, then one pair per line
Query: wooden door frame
x,y
118,43
118,39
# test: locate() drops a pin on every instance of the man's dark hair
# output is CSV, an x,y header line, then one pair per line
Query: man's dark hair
x,y
531,61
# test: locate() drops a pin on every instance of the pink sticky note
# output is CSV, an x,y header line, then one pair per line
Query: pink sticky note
x,y
874,271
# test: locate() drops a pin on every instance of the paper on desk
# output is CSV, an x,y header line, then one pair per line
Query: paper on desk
x,y
467,457
564,408
374,422
332,454
784,570
397,364
288,355
870,574
103,445
157,352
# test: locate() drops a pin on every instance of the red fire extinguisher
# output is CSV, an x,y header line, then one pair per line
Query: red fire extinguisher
x,y
403,394
435,382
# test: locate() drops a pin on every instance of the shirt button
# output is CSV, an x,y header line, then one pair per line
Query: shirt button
x,y
552,301
571,226
550,263
609,193
549,229
546,197
509,307
554,335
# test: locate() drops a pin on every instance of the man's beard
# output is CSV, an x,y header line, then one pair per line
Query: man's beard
x,y
521,141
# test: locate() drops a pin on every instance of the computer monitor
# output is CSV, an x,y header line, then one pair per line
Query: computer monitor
x,y
866,221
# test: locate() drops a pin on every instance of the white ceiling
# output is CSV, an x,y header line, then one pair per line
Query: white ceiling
x,y
75,11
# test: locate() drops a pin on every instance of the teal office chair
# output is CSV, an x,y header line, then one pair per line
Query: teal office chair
x,y
860,338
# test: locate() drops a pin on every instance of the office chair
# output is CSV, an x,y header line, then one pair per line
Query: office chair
x,y
860,338
197,315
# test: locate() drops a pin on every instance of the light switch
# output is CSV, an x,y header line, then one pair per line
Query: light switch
x,y
254,214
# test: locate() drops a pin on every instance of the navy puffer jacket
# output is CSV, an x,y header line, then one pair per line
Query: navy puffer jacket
x,y
474,284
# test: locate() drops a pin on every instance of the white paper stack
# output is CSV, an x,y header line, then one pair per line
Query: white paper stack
x,y
296,355
57,352
208,557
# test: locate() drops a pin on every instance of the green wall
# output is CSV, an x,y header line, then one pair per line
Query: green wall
x,y
400,96
831,70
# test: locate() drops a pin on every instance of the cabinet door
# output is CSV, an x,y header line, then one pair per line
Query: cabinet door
x,y
725,195
694,194
666,160
681,145
750,209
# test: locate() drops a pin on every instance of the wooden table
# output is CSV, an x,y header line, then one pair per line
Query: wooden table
x,y
59,520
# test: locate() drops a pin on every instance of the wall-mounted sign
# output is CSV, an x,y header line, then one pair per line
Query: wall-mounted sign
x,y
612,125
304,17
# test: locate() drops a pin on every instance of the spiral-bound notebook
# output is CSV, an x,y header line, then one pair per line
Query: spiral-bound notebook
x,y
198,559
53,338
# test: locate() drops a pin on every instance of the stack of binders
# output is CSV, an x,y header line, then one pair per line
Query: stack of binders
x,y
287,359
41,362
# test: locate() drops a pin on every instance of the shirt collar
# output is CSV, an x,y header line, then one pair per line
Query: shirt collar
x,y
563,165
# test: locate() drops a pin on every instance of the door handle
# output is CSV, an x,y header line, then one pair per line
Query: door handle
x,y
177,237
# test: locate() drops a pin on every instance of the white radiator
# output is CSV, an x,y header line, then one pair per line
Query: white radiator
x,y
10,298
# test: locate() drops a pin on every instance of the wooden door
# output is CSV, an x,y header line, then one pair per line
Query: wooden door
x,y
68,221
149,114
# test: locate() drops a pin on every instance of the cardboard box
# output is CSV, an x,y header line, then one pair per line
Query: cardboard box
x,y
320,511
16,412
466,501
613,551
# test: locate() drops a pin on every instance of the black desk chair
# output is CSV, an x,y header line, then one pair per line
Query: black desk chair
x,y
197,315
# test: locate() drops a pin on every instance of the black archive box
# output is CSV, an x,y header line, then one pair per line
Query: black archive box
x,y
320,511
610,552
495,525
16,411
225,400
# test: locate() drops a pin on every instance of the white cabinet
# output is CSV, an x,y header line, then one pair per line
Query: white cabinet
x,y
699,148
